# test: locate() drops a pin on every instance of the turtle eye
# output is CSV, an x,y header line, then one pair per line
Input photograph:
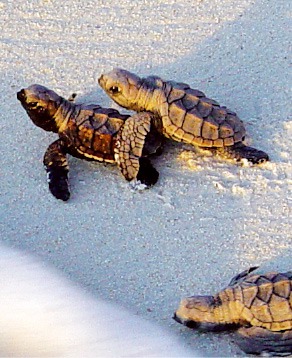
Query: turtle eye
x,y
33,104
40,108
114,89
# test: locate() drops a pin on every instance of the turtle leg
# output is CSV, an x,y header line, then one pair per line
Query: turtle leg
x,y
258,340
147,174
240,151
57,169
131,141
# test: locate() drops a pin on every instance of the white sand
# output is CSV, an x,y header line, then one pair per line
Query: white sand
x,y
206,219
44,315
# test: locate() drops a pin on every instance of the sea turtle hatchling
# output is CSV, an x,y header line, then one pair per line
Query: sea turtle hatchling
x,y
182,113
261,304
90,132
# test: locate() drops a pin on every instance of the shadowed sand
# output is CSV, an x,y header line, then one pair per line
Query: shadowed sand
x,y
206,219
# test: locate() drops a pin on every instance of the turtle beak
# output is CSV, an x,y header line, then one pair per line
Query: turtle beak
x,y
177,319
187,323
21,95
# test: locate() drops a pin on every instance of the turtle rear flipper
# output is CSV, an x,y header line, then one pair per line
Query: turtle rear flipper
x,y
240,151
57,168
258,340
130,144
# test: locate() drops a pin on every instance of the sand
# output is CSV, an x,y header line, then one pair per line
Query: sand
x,y
45,315
206,219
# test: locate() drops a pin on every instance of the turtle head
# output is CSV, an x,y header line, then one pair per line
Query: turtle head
x,y
196,312
122,86
41,104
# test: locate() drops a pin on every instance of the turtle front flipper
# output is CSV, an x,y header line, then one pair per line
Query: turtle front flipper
x,y
147,174
129,149
240,151
57,169
258,340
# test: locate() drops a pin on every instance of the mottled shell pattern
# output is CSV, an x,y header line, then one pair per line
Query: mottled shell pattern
x,y
86,130
257,300
193,118
262,300
92,131
186,114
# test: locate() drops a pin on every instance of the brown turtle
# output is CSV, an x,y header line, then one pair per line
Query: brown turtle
x,y
261,304
90,132
182,113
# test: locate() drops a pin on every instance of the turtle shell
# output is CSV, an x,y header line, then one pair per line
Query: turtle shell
x,y
189,116
91,131
262,300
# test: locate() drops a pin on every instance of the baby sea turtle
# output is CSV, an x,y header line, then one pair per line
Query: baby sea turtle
x,y
93,133
260,304
182,113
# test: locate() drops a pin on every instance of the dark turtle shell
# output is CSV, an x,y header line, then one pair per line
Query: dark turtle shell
x,y
92,131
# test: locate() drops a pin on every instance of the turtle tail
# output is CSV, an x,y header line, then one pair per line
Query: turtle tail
x,y
241,151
